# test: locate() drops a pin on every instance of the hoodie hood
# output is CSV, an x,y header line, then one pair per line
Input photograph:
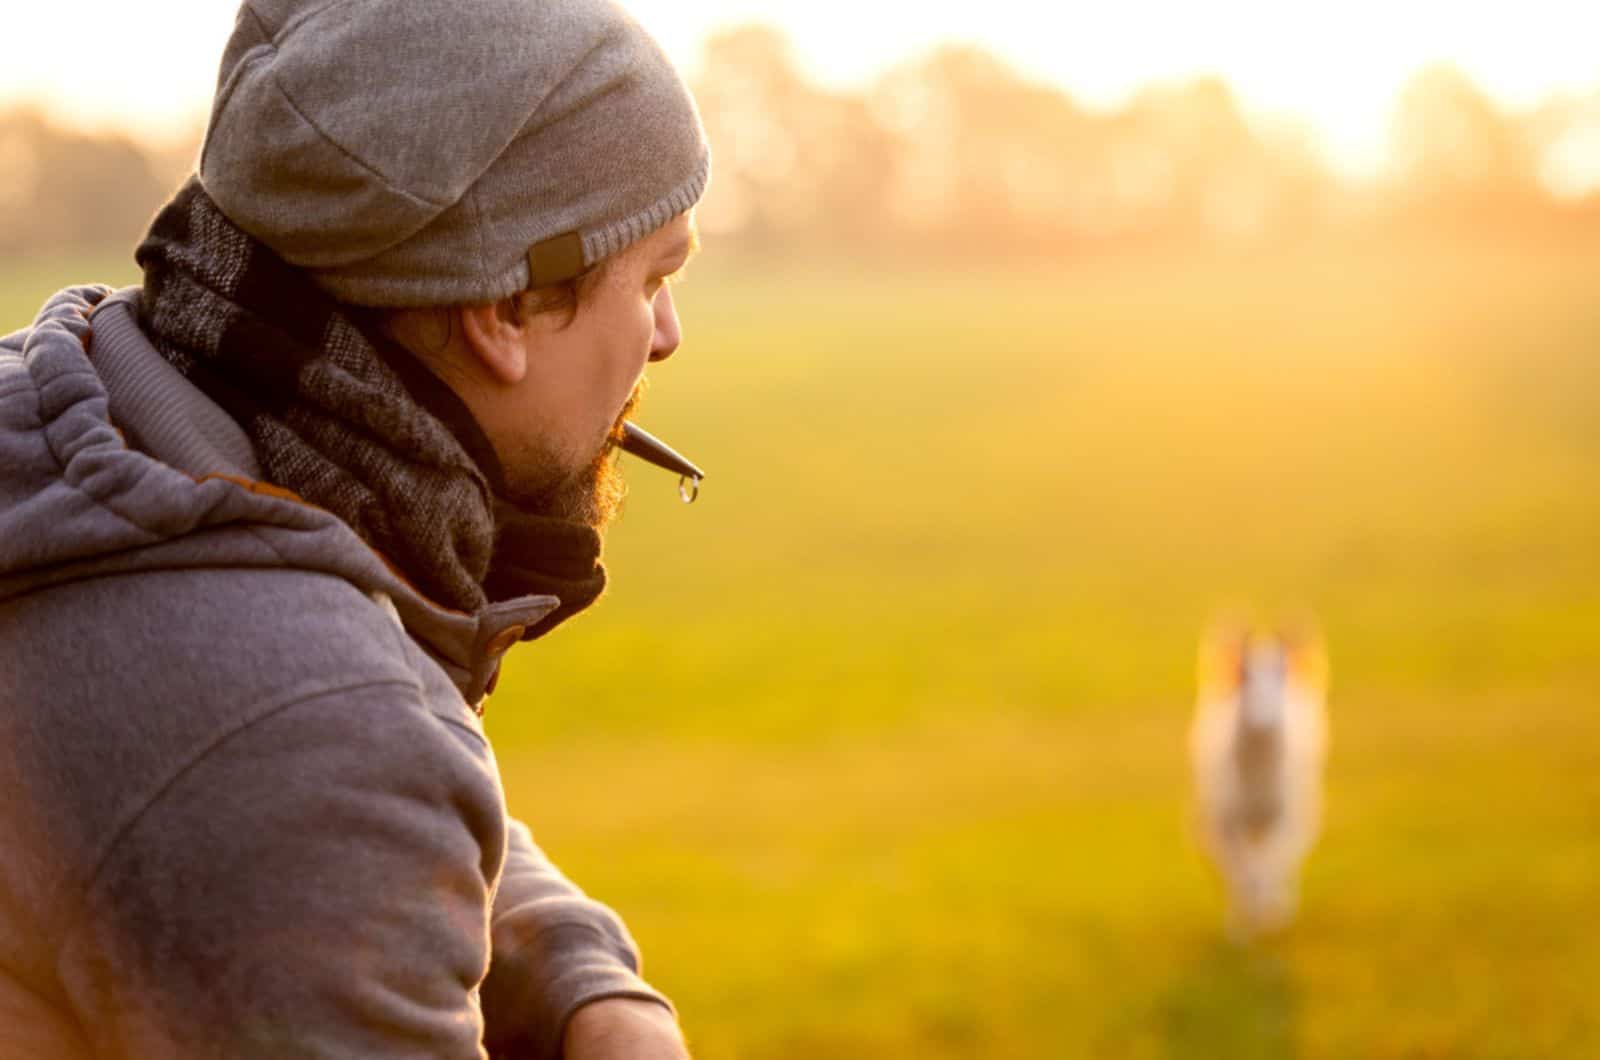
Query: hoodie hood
x,y
112,463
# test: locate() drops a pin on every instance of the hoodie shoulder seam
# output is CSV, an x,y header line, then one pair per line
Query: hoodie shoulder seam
x,y
120,831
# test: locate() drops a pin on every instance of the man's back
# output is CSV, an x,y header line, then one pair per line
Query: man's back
x,y
252,814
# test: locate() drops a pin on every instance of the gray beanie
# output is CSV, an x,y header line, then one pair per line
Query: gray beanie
x,y
433,152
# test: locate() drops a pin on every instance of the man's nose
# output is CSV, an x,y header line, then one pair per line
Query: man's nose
x,y
668,332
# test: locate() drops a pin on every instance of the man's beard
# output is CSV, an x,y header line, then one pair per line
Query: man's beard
x,y
592,496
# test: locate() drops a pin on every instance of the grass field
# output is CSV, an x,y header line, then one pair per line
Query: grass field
x,y
879,747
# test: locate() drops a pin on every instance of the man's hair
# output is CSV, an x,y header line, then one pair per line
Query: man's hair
x,y
564,297
434,327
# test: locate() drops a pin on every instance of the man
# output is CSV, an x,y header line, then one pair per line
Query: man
x,y
270,522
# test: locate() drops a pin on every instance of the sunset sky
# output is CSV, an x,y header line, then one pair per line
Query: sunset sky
x,y
1335,67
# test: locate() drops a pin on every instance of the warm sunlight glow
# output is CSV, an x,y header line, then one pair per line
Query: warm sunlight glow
x,y
1333,68
115,65
1336,68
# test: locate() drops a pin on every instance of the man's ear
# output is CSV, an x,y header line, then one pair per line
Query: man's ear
x,y
496,336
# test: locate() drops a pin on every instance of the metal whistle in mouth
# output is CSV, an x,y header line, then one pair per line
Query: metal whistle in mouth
x,y
652,450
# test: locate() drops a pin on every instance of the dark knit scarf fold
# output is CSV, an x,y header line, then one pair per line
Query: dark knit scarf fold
x,y
349,420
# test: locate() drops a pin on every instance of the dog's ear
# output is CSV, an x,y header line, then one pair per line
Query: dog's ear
x,y
1220,665
1306,652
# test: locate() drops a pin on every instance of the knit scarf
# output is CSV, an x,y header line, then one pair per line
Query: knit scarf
x,y
349,420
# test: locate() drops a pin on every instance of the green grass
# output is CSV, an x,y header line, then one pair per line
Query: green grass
x,y
879,747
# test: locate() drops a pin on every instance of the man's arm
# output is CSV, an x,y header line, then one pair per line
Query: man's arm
x,y
564,979
623,1029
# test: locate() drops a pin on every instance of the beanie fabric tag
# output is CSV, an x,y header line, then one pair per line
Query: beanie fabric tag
x,y
555,260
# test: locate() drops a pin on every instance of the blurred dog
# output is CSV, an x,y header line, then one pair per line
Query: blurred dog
x,y
1257,747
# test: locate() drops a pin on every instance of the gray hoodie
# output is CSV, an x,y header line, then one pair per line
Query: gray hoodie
x,y
247,808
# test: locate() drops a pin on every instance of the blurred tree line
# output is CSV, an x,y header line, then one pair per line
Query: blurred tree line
x,y
66,192
957,152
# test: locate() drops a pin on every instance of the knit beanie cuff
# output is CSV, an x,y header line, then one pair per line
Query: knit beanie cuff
x,y
612,238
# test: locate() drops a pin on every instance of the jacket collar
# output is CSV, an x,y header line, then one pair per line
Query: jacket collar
x,y
165,418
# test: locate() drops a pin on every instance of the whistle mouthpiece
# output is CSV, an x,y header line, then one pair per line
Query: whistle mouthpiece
x,y
652,450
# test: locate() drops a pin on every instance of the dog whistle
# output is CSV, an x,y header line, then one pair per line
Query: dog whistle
x,y
652,450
